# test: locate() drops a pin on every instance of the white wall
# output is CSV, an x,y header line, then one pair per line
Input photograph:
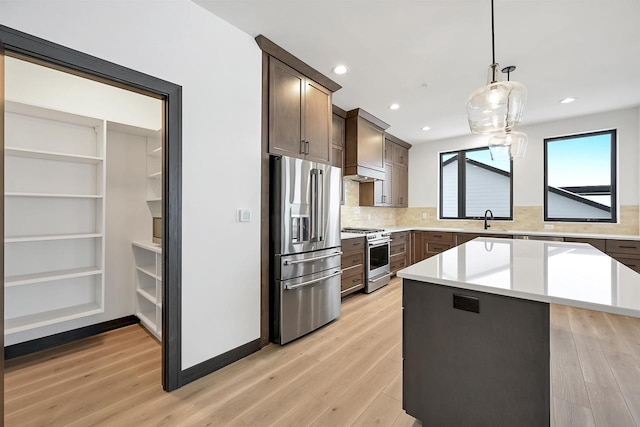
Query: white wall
x,y
219,68
528,172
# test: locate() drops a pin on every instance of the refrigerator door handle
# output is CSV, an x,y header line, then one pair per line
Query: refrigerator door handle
x,y
301,261
313,189
320,205
311,282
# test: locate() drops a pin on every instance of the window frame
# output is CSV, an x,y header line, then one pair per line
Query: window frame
x,y
462,190
614,177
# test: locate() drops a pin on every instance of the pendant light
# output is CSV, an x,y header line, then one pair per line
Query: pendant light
x,y
508,145
496,107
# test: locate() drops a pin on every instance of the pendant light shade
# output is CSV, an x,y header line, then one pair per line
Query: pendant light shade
x,y
508,145
496,107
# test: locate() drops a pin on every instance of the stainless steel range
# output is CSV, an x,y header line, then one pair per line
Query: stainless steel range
x,y
378,269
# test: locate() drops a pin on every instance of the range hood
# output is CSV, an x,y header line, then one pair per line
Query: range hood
x,y
365,147
366,177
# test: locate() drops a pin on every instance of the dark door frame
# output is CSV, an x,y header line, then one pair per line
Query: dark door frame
x,y
53,55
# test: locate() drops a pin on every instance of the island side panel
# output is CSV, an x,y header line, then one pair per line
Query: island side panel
x,y
466,368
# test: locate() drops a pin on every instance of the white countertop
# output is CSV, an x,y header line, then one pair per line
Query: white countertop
x,y
495,229
573,274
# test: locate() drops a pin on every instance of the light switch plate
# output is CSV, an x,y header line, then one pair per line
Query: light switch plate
x,y
424,215
548,226
244,215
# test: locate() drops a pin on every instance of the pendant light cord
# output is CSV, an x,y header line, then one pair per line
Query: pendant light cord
x,y
493,47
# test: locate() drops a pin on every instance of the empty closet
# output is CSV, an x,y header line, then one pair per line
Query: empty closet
x,y
83,182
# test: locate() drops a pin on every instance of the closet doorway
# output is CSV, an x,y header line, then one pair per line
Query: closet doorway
x,y
80,203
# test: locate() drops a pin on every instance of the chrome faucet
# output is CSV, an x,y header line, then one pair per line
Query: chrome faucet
x,y
488,211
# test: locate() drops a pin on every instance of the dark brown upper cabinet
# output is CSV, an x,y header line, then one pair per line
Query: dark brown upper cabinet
x,y
338,137
393,190
338,143
364,153
299,115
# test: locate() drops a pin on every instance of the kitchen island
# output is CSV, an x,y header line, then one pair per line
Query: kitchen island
x,y
476,342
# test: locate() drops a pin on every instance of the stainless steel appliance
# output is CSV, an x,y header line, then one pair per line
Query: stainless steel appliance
x,y
305,243
377,257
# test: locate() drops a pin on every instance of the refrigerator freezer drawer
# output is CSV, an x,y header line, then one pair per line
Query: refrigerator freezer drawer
x,y
289,266
307,303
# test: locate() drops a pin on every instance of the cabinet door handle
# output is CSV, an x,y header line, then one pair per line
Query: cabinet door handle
x,y
302,147
306,147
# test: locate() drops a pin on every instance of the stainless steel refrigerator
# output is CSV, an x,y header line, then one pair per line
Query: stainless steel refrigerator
x,y
305,246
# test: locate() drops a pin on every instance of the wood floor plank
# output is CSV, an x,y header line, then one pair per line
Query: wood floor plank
x,y
627,373
327,375
571,391
63,409
302,414
405,420
71,356
359,396
71,373
595,368
110,338
394,389
628,329
606,333
568,414
565,364
382,412
608,407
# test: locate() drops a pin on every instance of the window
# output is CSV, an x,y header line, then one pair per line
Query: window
x,y
580,177
471,183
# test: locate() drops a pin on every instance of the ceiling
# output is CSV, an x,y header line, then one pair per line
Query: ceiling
x,y
429,55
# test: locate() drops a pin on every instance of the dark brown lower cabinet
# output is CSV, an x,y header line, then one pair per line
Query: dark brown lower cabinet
x,y
626,252
399,252
352,266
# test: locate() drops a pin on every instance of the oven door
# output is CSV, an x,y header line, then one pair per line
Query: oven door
x,y
378,259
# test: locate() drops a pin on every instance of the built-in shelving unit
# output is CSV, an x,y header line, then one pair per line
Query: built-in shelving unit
x,y
154,168
148,280
54,216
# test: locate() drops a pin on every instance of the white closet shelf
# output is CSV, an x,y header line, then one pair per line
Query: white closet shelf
x,y
26,279
23,323
148,270
156,199
147,295
51,155
151,326
51,237
156,152
54,195
156,175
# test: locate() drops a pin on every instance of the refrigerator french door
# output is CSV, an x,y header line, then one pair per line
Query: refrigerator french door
x,y
305,244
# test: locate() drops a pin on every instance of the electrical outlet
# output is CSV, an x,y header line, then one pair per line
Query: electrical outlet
x,y
548,226
424,215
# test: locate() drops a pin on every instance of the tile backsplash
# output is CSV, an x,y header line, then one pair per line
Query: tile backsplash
x,y
363,216
526,218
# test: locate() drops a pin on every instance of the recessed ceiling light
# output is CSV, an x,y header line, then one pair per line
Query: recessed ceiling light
x,y
394,106
426,128
567,100
340,69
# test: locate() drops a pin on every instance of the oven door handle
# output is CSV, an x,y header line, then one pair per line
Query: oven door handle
x,y
311,282
302,261
373,244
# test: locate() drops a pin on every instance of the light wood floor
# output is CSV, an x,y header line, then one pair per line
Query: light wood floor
x,y
345,374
